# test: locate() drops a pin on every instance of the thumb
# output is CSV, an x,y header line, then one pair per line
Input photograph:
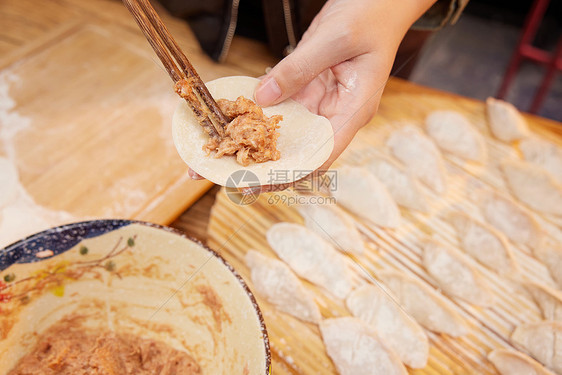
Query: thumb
x,y
291,74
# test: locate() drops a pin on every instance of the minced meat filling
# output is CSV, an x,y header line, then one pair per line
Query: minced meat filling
x,y
66,349
250,135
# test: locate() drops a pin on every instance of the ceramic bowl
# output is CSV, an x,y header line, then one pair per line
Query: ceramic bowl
x,y
131,277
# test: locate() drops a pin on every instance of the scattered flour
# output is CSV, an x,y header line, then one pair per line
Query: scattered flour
x,y
20,216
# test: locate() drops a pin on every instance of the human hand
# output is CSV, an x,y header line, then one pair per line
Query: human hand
x,y
342,63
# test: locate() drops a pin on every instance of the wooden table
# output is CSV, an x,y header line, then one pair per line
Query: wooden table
x,y
87,108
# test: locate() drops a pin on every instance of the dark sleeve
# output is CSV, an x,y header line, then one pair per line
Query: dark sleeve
x,y
443,12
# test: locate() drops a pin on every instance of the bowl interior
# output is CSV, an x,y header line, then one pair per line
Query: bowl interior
x,y
131,278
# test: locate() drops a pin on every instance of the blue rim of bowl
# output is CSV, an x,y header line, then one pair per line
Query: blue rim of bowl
x,y
74,233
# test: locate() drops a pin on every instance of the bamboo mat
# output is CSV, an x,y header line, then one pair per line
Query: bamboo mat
x,y
297,347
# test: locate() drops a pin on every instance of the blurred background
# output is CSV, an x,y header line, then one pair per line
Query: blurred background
x,y
471,57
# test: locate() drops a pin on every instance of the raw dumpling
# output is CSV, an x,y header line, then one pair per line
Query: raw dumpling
x,y
400,183
425,305
334,225
453,133
454,275
420,155
543,341
274,281
533,186
485,244
545,154
398,330
311,257
548,299
551,256
362,193
355,349
506,123
511,219
8,182
512,362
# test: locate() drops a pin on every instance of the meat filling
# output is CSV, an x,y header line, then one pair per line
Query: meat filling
x,y
66,349
250,135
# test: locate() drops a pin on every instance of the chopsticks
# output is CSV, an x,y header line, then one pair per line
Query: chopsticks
x,y
188,84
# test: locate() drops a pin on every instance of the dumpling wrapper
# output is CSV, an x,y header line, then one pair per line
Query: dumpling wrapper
x,y
274,281
424,304
9,182
362,193
551,256
397,329
355,349
533,186
512,362
545,154
455,276
453,133
511,219
505,121
549,300
306,140
420,155
400,183
543,341
310,257
334,225
483,243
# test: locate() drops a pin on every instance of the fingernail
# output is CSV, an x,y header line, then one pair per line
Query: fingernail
x,y
193,175
267,92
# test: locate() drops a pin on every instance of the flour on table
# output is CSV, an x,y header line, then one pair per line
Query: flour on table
x,y
362,193
8,182
355,348
420,155
425,305
511,219
396,328
453,133
311,257
20,216
11,122
505,121
544,154
274,281
485,244
334,225
543,341
533,186
400,183
454,275
512,362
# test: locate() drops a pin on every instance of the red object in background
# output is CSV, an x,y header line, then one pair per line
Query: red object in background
x,y
525,50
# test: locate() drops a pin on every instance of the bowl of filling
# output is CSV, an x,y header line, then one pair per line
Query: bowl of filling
x,y
125,297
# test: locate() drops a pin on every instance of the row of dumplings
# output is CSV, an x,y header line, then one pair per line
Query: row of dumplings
x,y
388,318
373,192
